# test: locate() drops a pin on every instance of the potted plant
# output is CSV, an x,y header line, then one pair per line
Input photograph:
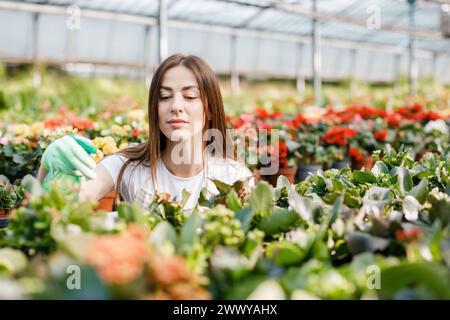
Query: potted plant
x,y
362,145
309,151
281,157
10,198
336,141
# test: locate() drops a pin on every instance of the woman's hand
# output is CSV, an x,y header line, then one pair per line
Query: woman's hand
x,y
67,156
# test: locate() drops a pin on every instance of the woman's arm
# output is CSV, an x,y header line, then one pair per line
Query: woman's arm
x,y
91,189
99,187
41,174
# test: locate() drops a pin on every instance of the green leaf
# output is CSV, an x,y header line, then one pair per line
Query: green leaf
x,y
245,216
233,202
420,191
431,275
378,193
222,186
12,261
359,242
379,168
302,205
184,197
363,177
404,180
188,233
131,213
242,289
280,220
283,182
285,253
163,232
261,198
411,208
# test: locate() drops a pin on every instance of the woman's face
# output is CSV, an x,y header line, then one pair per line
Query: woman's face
x,y
180,108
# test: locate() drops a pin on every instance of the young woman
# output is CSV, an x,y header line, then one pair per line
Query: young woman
x,y
188,145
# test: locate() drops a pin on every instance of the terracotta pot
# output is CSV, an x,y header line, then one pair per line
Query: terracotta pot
x,y
4,212
303,171
289,173
420,154
341,165
107,202
363,163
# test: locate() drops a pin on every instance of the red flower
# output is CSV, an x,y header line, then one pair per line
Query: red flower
x,y
279,153
409,235
135,132
393,119
433,115
276,115
296,122
262,114
355,153
380,135
338,135
266,126
238,122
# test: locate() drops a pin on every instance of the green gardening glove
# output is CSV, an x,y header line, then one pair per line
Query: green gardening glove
x,y
68,158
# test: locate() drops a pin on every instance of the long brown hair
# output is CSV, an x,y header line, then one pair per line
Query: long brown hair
x,y
148,153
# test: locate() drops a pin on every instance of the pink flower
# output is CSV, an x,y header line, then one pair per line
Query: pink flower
x,y
4,141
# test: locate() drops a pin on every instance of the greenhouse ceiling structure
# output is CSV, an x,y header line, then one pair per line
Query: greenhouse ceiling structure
x,y
371,40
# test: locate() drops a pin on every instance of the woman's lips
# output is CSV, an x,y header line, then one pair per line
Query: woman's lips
x,y
177,123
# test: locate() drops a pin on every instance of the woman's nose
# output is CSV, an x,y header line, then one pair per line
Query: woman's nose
x,y
177,105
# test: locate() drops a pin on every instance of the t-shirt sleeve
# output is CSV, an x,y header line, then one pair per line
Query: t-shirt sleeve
x,y
113,164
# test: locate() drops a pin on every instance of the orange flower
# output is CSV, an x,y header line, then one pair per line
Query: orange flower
x,y
169,270
118,259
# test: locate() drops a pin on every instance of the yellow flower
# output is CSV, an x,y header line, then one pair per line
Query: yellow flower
x,y
37,129
21,130
110,148
105,144
136,115
98,156
123,145
117,130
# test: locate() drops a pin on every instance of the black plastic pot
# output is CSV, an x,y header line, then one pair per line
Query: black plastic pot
x,y
341,165
303,170
3,222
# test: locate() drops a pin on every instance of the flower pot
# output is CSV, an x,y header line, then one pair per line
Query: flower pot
x,y
303,170
4,212
420,154
289,173
363,163
3,222
107,202
341,165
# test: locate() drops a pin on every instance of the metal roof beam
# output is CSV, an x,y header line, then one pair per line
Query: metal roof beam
x,y
332,17
254,33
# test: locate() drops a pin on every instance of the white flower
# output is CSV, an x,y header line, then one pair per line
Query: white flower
x,y
438,125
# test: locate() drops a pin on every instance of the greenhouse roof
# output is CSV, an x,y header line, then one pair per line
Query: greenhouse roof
x,y
349,21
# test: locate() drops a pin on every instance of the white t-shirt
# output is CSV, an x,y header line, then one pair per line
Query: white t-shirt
x,y
137,183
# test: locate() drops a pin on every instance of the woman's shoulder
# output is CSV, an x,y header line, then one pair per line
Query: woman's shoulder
x,y
119,159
